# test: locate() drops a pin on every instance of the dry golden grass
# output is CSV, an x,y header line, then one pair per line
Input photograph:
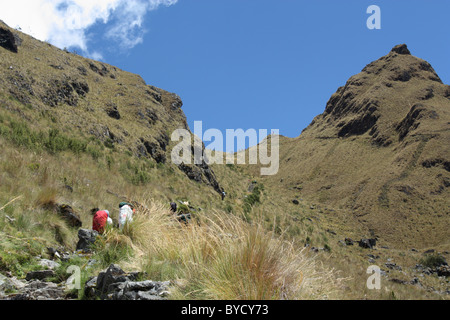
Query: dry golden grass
x,y
224,257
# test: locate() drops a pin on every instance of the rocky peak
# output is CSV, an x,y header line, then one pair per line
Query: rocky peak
x,y
401,49
376,100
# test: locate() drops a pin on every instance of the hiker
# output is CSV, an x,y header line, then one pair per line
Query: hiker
x,y
101,219
223,195
173,207
125,214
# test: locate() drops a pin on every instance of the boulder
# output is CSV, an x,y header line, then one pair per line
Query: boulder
x,y
90,288
348,241
367,243
103,70
49,264
113,275
81,88
86,239
443,271
155,151
59,91
8,285
40,275
113,112
401,49
8,40
38,290
201,173
115,284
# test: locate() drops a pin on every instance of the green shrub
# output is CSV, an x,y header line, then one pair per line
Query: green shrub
x,y
53,141
22,136
113,253
433,261
253,198
109,161
136,173
140,177
34,166
18,260
109,143
94,152
57,142
229,208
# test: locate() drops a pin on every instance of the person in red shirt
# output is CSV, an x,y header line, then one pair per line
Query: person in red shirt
x,y
101,219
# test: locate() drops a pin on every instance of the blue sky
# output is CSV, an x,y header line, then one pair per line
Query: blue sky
x,y
269,64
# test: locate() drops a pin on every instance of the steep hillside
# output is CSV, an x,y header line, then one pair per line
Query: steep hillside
x,y
83,133
380,151
49,88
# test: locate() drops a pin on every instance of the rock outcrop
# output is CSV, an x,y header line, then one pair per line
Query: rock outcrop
x,y
86,239
116,284
39,290
70,215
8,40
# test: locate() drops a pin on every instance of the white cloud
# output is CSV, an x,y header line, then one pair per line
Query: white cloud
x,y
65,23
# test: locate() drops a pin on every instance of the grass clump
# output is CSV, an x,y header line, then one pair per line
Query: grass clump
x,y
17,254
136,172
253,198
114,246
20,134
433,260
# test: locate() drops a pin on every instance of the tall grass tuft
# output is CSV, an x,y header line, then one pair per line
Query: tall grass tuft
x,y
47,198
223,257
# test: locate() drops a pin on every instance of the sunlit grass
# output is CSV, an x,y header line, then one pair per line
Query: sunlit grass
x,y
224,257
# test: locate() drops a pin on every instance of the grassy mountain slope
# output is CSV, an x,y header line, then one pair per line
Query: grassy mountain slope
x,y
60,103
380,151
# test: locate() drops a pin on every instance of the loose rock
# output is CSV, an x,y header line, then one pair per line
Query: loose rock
x,y
40,275
115,284
86,239
367,243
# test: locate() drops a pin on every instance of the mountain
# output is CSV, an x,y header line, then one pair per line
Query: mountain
x,y
90,100
381,151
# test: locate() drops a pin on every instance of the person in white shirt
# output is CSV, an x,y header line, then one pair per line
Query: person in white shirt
x,y
125,214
